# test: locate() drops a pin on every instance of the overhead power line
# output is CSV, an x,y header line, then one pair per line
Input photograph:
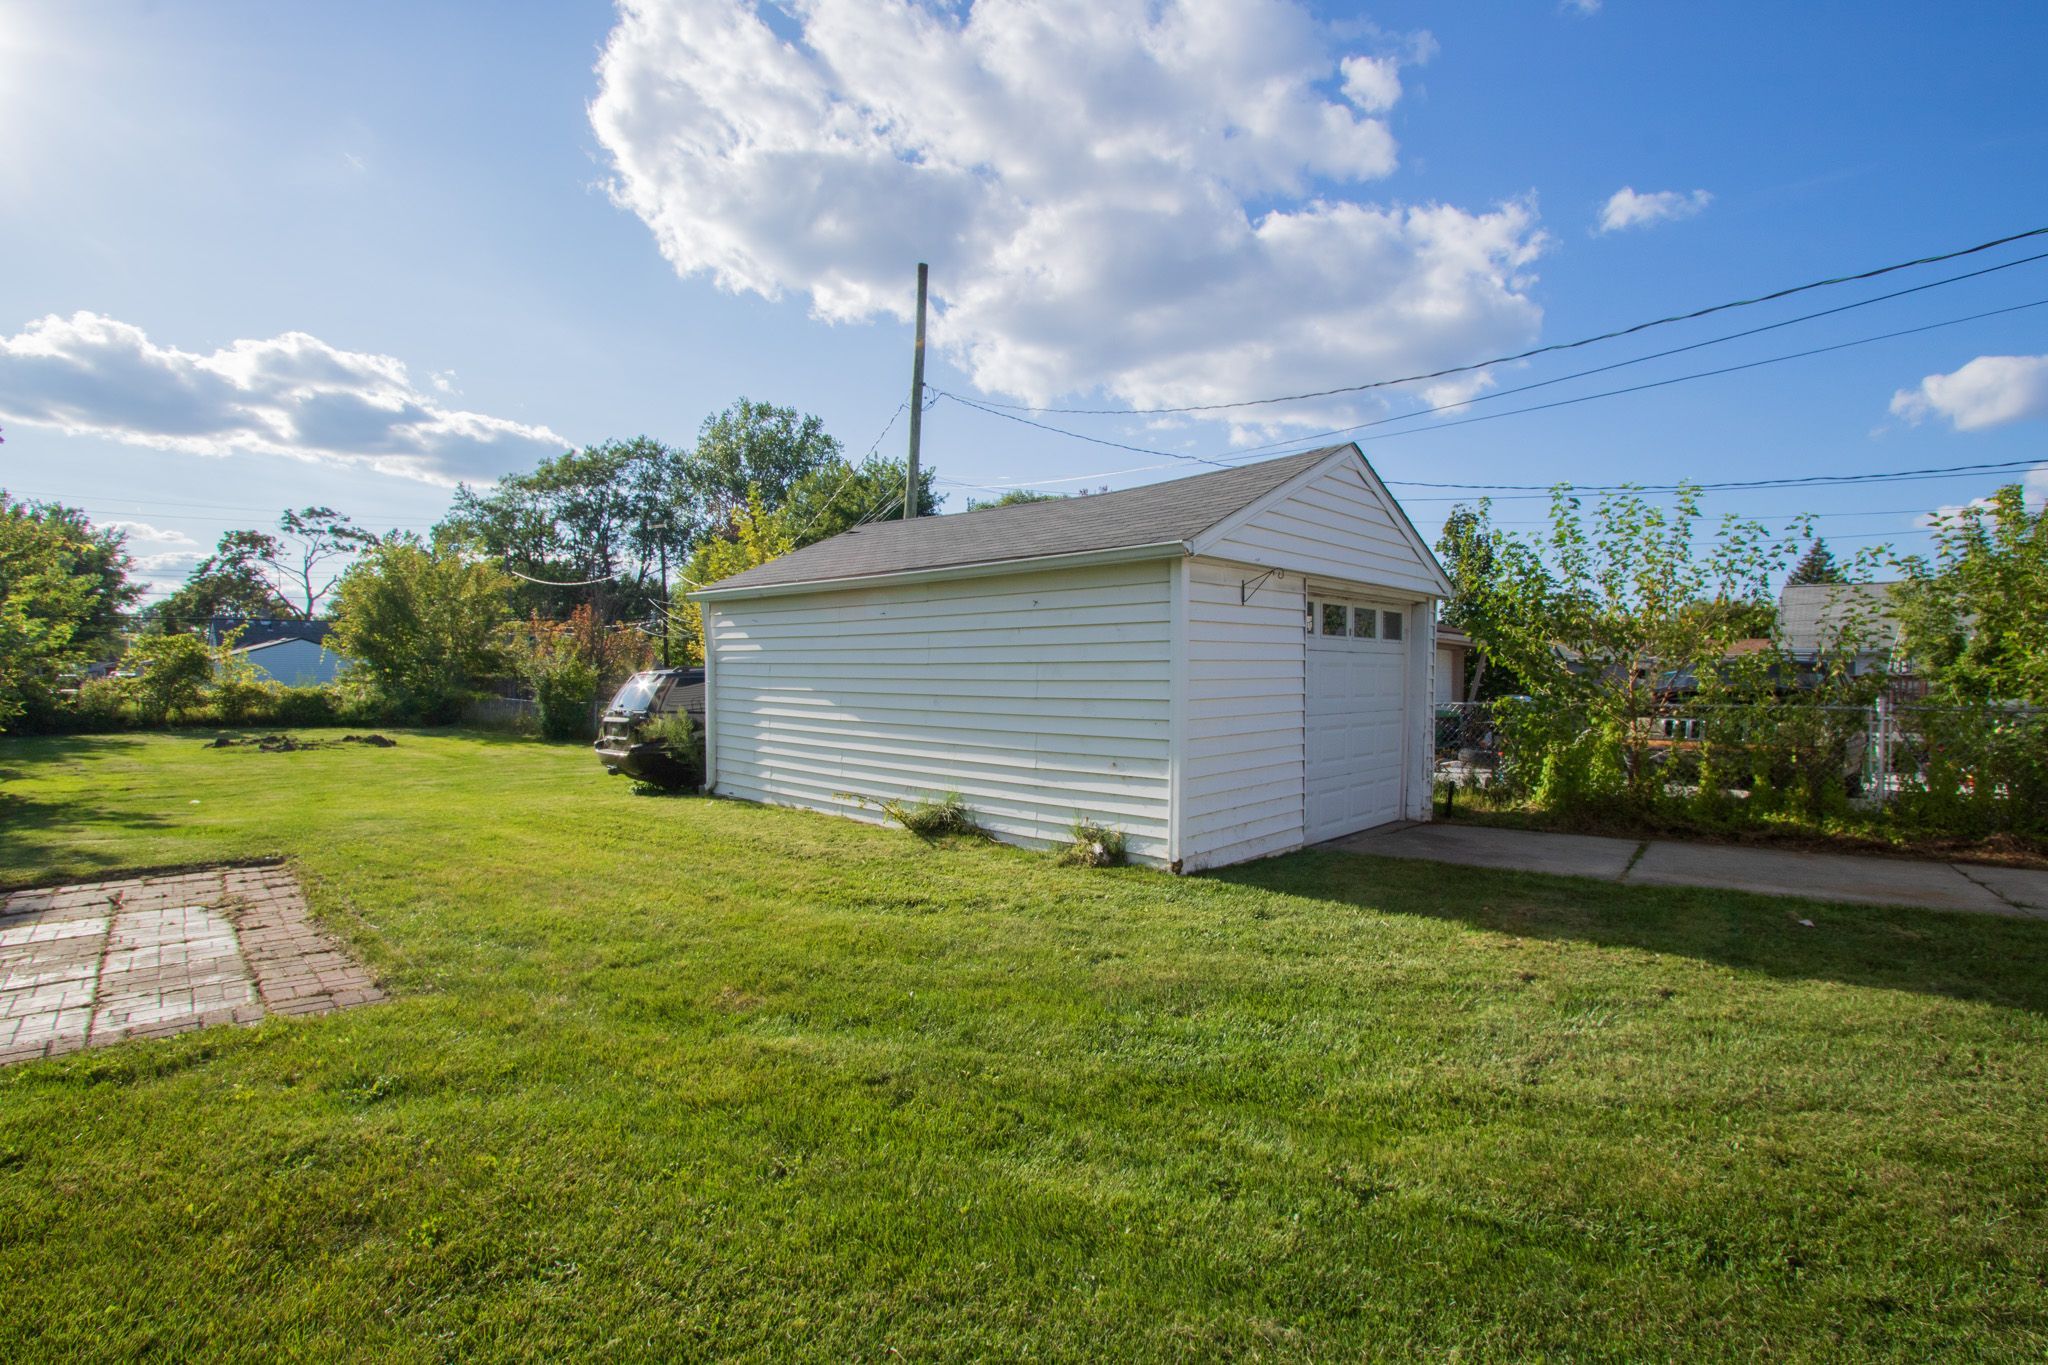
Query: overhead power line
x,y
1232,460
555,583
1496,394
1534,351
853,470
1791,481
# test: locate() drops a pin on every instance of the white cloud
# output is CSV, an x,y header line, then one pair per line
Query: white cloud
x,y
1156,197
142,533
2033,496
292,395
162,565
1584,8
1626,209
1988,392
1372,83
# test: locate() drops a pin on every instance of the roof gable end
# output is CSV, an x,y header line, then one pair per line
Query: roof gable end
x,y
1334,519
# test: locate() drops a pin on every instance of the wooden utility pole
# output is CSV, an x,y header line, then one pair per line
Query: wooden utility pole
x,y
910,498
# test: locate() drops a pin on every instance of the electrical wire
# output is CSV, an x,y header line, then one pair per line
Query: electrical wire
x,y
1550,349
853,470
1306,443
553,583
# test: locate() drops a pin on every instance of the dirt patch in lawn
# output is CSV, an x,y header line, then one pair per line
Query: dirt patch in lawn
x,y
287,744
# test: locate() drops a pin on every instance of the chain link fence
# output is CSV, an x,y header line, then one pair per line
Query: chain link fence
x,y
1901,747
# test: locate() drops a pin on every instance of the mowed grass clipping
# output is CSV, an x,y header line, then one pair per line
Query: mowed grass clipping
x,y
674,1077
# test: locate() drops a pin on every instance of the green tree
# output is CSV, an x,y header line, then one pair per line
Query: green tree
x,y
1974,617
229,582
837,496
758,536
1817,565
63,586
171,675
1612,611
303,556
602,525
754,450
1492,577
421,625
1012,498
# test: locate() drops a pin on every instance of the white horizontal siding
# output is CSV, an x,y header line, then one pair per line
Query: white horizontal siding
x,y
1338,527
1036,696
1241,759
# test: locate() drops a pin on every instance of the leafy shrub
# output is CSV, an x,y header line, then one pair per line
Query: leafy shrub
x,y
172,671
239,691
563,663
933,818
677,734
306,707
563,688
101,704
1093,846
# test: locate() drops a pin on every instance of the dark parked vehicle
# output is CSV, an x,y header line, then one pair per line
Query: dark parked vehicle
x,y
623,744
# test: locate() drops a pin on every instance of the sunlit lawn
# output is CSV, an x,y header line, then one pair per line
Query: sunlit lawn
x,y
669,1077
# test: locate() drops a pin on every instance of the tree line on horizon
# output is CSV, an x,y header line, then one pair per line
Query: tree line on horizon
x,y
614,526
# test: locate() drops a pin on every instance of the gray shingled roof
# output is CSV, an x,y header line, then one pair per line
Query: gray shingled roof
x,y
1178,509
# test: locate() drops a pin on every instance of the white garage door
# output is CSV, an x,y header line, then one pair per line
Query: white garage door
x,y
1357,688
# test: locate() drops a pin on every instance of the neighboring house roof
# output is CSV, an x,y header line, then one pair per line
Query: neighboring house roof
x,y
1167,514
276,644
1451,637
1812,615
261,630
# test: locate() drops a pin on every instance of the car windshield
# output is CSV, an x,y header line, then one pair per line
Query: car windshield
x,y
638,693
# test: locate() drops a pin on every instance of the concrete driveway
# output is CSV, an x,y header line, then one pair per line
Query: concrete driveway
x,y
1969,887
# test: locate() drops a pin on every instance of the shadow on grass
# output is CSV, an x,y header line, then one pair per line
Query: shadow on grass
x,y
1962,957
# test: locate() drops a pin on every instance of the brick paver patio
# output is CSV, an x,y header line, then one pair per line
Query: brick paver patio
x,y
150,956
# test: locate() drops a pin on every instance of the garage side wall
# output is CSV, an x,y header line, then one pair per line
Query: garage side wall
x,y
1035,696
1241,786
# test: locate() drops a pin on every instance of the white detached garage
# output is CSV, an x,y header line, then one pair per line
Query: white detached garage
x,y
1223,667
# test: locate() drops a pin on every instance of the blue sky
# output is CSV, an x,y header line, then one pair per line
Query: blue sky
x,y
451,236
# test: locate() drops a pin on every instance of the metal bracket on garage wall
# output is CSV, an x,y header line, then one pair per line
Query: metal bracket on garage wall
x,y
1247,586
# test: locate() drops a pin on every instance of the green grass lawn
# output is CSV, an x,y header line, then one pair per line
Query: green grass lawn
x,y
671,1077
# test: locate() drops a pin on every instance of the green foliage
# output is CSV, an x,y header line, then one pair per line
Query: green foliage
x,y
99,705
608,521
1974,618
1093,845
239,691
171,674
678,735
836,496
232,581
1817,565
757,536
934,817
1489,578
63,585
1013,497
302,556
756,452
1982,770
1623,613
420,626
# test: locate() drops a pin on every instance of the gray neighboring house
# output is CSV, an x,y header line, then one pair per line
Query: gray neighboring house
x,y
1812,616
287,649
1222,667
294,662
